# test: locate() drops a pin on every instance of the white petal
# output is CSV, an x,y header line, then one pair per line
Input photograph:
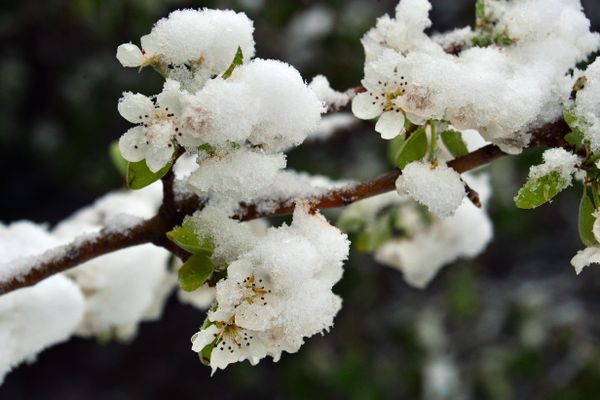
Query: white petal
x,y
203,338
150,45
170,97
363,107
583,258
133,106
129,55
390,124
133,145
158,158
596,229
416,119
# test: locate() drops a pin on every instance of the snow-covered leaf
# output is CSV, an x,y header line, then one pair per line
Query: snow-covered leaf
x,y
540,190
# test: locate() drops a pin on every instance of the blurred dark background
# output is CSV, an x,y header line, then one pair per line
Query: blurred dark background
x,y
516,323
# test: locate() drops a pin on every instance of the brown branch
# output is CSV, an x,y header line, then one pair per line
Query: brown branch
x,y
173,211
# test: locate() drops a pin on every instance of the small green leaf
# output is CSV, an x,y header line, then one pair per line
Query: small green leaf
x,y
586,220
570,119
194,272
140,176
185,236
237,61
540,190
206,352
117,159
454,143
575,138
394,146
413,149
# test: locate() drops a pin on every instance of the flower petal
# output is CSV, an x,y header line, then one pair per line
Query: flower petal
x,y
150,45
416,119
170,97
133,106
583,258
158,158
201,339
133,145
129,55
363,107
390,124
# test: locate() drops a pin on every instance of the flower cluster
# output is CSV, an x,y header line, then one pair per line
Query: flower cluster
x,y
501,88
240,112
272,299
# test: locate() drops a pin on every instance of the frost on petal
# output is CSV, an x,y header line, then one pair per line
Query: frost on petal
x,y
134,107
129,55
133,144
390,124
170,97
438,188
364,106
158,157
585,257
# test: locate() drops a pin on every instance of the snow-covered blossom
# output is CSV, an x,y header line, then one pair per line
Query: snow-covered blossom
x,y
587,105
328,96
241,174
502,90
34,318
192,45
276,294
438,187
153,138
427,243
117,298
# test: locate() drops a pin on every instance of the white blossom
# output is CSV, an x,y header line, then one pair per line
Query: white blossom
x,y
272,299
34,318
438,187
153,139
195,44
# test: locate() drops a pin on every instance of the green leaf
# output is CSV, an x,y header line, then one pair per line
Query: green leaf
x,y
237,61
139,175
540,190
206,352
575,138
413,149
185,236
570,119
586,220
394,146
117,159
194,272
454,143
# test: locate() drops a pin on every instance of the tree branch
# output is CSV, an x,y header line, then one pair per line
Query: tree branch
x,y
173,211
